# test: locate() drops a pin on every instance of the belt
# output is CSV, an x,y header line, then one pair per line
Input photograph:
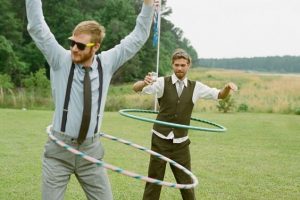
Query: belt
x,y
71,140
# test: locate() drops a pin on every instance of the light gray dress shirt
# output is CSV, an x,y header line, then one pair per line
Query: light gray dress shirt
x,y
60,62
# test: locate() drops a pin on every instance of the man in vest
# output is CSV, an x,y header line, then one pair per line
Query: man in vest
x,y
80,79
176,97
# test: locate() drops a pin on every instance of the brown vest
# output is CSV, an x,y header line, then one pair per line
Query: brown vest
x,y
175,109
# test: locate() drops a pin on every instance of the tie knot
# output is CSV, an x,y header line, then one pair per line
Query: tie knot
x,y
86,69
180,83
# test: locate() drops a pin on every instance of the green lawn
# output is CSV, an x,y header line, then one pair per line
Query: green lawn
x,y
257,158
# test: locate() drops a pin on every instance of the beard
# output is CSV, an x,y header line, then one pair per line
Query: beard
x,y
81,57
180,75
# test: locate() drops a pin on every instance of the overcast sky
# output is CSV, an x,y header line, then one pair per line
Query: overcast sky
x,y
239,28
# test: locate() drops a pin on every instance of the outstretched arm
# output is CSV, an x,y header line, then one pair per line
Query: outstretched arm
x,y
226,90
139,85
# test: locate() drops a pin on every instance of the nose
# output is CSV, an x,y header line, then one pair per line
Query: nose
x,y
74,48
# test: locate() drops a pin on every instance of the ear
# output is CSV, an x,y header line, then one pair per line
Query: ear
x,y
189,65
96,47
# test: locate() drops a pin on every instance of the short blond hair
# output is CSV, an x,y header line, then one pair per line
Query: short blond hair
x,y
180,53
93,28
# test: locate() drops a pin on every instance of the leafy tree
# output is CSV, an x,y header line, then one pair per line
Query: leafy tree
x,y
10,25
20,57
278,64
10,62
226,104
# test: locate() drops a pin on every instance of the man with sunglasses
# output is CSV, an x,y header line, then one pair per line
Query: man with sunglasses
x,y
176,96
80,79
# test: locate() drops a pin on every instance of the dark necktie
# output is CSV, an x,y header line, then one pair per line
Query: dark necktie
x,y
87,100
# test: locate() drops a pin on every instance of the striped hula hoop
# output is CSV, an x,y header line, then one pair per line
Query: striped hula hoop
x,y
125,172
219,128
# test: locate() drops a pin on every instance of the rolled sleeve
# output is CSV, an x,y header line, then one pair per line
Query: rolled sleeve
x,y
203,91
155,88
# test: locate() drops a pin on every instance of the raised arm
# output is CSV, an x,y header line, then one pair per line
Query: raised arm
x,y
40,32
133,42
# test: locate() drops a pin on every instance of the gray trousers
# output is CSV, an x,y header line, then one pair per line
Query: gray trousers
x,y
59,164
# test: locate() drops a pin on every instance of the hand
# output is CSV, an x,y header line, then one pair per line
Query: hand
x,y
152,2
231,86
149,79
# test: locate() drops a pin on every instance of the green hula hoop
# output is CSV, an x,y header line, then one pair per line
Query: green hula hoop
x,y
219,128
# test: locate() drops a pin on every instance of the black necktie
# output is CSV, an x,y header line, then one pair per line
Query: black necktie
x,y
87,100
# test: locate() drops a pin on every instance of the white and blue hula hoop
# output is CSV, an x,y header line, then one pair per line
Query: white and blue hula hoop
x,y
125,172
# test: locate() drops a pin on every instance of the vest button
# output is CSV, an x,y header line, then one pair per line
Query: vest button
x,y
178,101
175,115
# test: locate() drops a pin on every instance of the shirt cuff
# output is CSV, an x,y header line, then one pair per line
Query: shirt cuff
x,y
216,93
147,90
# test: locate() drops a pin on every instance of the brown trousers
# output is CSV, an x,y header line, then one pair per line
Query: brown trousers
x,y
180,153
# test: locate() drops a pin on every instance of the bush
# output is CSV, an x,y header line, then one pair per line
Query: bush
x,y
297,111
243,107
5,85
38,83
226,104
5,82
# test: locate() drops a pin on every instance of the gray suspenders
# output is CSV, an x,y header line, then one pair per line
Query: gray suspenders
x,y
68,92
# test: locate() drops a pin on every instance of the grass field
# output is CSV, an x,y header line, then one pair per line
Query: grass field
x,y
257,158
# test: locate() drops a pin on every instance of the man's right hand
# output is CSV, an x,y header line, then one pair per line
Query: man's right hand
x,y
149,78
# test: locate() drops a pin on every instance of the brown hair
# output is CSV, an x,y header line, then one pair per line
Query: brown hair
x,y
180,53
96,30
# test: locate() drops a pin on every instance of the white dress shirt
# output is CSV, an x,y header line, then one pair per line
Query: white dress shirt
x,y
201,91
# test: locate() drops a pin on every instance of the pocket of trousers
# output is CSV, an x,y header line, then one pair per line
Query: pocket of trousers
x,y
51,148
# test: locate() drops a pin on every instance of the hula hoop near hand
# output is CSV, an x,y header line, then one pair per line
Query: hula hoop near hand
x,y
125,172
125,112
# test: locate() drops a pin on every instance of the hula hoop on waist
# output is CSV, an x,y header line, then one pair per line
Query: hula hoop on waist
x,y
125,172
125,112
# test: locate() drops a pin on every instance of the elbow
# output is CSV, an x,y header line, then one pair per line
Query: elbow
x,y
29,28
34,29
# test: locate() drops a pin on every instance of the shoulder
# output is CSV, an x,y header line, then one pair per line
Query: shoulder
x,y
191,83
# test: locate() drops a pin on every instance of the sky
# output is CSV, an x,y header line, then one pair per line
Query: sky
x,y
239,28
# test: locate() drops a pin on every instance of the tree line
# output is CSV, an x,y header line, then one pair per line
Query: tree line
x,y
19,57
277,64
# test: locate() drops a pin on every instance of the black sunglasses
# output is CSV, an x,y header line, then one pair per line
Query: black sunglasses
x,y
79,45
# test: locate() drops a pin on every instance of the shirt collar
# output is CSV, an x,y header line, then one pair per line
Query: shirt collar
x,y
175,79
93,66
